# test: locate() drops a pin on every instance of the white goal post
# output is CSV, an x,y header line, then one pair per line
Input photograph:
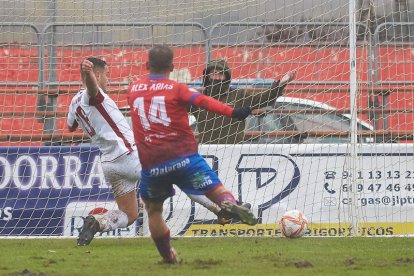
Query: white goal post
x,y
338,145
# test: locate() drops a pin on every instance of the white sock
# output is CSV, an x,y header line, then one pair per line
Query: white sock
x,y
112,220
203,200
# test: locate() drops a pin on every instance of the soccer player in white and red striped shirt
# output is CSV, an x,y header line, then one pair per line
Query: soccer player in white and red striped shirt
x,y
98,115
168,149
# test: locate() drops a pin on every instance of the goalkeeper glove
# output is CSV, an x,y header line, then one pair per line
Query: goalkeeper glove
x,y
241,113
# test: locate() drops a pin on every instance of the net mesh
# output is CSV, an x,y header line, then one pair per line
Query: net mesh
x,y
295,151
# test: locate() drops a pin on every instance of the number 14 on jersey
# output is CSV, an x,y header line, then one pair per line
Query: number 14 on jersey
x,y
157,113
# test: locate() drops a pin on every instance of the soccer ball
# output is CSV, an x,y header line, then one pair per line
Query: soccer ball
x,y
293,224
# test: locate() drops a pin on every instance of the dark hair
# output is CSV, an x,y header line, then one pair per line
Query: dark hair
x,y
97,64
160,58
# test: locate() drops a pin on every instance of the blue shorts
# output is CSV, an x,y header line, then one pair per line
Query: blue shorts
x,y
191,174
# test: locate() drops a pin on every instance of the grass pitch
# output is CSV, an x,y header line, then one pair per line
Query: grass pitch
x,y
211,256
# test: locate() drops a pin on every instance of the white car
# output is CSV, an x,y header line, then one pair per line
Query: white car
x,y
302,122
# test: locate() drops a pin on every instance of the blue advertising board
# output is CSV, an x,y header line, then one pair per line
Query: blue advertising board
x,y
37,183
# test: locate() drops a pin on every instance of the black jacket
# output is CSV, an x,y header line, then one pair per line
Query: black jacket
x,y
217,129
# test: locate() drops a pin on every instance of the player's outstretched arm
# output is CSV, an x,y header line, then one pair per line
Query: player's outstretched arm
x,y
191,96
268,97
213,105
241,113
90,78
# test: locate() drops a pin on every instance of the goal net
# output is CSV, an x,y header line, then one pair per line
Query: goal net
x,y
346,164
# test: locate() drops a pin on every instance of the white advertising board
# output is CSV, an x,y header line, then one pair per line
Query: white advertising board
x,y
316,179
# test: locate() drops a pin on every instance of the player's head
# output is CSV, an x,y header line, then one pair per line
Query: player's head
x,y
216,70
101,70
160,60
216,77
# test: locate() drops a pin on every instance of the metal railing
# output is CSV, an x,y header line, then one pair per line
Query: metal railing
x,y
45,39
208,37
216,26
38,35
51,30
376,43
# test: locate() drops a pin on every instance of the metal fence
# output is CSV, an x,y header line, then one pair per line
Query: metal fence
x,y
114,34
97,34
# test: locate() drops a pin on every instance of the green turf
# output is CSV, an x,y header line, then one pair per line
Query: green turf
x,y
211,256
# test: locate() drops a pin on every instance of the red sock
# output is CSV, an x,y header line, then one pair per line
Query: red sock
x,y
163,245
226,196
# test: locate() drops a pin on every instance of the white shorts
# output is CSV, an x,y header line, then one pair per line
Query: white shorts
x,y
123,173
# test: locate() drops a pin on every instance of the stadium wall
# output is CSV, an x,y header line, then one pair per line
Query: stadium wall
x,y
207,13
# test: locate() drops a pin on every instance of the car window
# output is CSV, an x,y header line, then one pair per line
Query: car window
x,y
314,121
270,122
302,122
321,122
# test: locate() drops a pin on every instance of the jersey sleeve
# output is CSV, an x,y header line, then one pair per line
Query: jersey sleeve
x,y
128,97
93,101
193,97
71,115
263,98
